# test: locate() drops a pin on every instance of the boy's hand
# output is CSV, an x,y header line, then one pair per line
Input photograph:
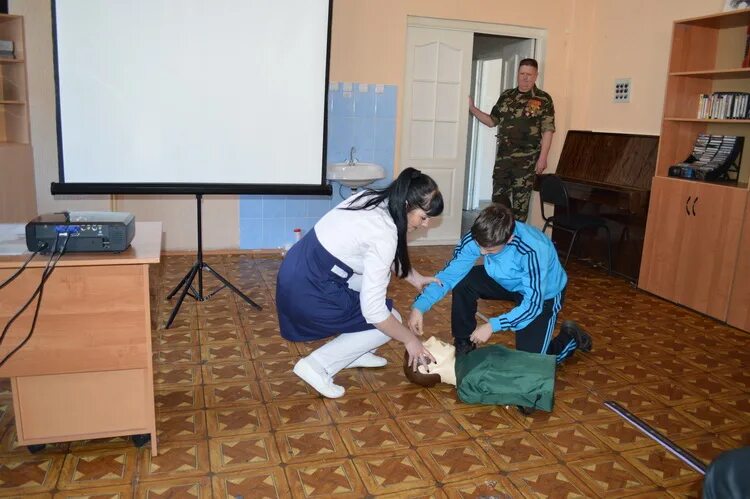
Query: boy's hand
x,y
420,281
481,334
416,319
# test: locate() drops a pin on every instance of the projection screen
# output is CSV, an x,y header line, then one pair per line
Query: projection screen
x,y
191,96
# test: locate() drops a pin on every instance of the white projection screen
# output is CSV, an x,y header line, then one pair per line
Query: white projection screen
x,y
191,96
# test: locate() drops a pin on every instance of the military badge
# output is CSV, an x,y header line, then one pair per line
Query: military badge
x,y
533,107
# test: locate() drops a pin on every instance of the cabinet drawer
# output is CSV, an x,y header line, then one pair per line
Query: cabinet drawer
x,y
62,407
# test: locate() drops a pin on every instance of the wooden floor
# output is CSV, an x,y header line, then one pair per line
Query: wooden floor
x,y
233,421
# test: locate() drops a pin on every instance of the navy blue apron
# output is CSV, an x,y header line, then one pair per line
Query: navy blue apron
x,y
313,299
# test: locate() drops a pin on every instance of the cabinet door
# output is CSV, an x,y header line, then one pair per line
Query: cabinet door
x,y
692,237
738,314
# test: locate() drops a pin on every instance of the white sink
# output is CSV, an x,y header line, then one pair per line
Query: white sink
x,y
356,175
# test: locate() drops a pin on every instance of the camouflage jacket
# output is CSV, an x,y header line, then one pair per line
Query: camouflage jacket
x,y
521,118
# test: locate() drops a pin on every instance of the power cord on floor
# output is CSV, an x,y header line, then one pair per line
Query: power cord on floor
x,y
38,292
18,272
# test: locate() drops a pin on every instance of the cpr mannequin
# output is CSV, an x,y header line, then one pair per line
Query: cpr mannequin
x,y
493,374
444,371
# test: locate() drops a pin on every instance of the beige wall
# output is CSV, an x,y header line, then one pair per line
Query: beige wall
x,y
589,44
631,39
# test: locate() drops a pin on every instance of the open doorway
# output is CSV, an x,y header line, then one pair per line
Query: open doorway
x,y
494,69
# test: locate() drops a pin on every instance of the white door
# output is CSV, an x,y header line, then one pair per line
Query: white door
x,y
435,119
485,138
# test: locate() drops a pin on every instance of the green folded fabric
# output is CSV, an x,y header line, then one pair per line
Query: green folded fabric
x,y
502,376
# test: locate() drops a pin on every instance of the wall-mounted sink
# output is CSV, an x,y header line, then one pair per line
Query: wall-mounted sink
x,y
356,175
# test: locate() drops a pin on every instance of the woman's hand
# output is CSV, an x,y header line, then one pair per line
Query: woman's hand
x,y
419,281
418,354
481,334
416,319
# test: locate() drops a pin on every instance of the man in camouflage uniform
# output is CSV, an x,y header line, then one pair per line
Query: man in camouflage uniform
x,y
525,117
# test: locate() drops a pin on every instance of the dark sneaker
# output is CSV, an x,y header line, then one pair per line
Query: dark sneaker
x,y
526,411
464,346
583,339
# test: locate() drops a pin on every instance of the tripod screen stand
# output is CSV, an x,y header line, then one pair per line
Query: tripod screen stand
x,y
185,287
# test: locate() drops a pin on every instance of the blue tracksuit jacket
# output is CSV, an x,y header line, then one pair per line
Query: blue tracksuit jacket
x,y
528,265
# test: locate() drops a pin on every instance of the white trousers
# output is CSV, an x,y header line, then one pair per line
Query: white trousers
x,y
346,348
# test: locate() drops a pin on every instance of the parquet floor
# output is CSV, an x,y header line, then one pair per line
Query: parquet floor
x,y
233,421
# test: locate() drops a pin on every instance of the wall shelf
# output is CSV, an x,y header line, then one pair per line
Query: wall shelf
x,y
696,120
715,73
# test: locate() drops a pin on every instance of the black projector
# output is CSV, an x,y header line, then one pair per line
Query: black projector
x,y
87,231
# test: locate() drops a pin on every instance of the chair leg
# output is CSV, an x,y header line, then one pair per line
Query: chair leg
x,y
544,229
609,249
570,248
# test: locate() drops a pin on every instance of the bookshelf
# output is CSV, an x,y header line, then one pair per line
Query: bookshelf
x,y
694,229
17,189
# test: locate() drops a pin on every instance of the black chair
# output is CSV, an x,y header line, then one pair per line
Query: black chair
x,y
552,191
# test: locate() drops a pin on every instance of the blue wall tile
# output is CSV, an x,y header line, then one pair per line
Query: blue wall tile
x,y
385,103
274,235
296,207
364,102
274,207
385,134
318,206
251,233
364,132
363,120
251,207
343,103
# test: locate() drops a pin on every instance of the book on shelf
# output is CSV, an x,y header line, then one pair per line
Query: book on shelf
x,y
724,106
746,59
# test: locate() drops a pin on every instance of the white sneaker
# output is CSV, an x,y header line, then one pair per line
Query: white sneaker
x,y
323,384
368,360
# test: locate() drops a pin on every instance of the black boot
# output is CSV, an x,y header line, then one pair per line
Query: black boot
x,y
463,346
583,339
526,411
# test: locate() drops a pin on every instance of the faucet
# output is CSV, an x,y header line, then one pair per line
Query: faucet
x,y
352,159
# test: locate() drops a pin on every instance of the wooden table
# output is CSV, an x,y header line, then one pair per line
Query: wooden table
x,y
87,370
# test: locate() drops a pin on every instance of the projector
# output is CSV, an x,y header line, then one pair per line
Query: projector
x,y
87,231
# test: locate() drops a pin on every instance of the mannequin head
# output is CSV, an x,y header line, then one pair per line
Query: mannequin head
x,y
442,372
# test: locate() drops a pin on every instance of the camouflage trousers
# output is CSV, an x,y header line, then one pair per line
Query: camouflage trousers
x,y
512,182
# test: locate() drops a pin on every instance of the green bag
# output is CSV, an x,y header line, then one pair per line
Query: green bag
x,y
501,376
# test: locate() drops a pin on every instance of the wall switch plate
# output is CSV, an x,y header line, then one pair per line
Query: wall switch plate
x,y
622,90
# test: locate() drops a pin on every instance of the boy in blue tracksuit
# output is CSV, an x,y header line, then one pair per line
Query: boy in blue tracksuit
x,y
520,265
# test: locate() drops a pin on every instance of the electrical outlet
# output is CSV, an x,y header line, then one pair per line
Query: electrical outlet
x,y
622,90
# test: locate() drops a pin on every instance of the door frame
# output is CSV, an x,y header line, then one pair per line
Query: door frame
x,y
540,49
538,34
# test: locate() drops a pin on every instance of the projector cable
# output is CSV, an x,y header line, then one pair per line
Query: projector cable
x,y
38,292
18,272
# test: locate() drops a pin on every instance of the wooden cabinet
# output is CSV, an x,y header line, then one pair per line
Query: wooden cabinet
x,y
17,189
692,246
689,257
738,314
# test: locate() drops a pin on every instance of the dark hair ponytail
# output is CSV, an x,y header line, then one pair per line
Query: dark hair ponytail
x,y
412,189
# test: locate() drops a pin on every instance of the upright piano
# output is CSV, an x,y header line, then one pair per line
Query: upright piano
x,y
609,175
